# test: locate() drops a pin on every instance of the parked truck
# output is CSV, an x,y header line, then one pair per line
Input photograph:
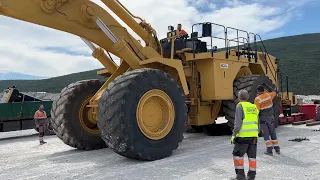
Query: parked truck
x,y
17,111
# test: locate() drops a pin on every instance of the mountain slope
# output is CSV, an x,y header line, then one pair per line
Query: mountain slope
x,y
299,58
6,75
51,85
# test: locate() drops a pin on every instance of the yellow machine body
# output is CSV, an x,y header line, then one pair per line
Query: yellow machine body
x,y
292,98
217,75
206,79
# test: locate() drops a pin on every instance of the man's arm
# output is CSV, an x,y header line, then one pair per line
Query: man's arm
x,y
272,91
239,115
36,118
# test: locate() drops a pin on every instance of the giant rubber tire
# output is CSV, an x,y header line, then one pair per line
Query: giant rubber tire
x,y
117,115
65,116
249,83
49,129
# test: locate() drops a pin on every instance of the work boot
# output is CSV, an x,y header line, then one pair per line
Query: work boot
x,y
239,177
42,142
250,178
268,153
278,151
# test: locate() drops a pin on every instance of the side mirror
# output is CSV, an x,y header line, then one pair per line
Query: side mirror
x,y
170,28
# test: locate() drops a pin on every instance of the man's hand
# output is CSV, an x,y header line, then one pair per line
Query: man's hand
x,y
232,139
269,88
260,133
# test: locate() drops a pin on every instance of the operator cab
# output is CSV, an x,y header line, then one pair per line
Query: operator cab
x,y
193,44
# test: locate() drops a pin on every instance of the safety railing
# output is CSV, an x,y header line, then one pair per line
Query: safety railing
x,y
207,29
238,45
266,54
244,41
207,32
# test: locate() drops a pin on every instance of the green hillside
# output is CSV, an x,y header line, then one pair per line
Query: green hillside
x,y
299,58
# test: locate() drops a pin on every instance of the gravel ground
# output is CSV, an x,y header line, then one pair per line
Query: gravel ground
x,y
198,157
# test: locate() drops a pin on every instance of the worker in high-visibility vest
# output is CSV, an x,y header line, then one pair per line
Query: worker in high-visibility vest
x,y
264,102
245,135
40,118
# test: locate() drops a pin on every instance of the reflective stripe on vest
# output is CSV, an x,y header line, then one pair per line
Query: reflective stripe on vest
x,y
250,122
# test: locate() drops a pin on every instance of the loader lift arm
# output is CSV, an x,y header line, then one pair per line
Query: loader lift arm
x,y
93,24
79,18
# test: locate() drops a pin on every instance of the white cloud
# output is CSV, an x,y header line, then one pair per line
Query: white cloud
x,y
23,45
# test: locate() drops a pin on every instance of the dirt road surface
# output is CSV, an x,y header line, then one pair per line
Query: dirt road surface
x,y
199,157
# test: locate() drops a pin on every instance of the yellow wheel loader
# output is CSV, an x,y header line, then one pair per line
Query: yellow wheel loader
x,y
142,109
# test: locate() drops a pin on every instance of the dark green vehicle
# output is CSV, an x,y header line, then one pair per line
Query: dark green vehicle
x,y
17,111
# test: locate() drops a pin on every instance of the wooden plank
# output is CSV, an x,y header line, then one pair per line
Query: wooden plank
x,y
313,123
302,122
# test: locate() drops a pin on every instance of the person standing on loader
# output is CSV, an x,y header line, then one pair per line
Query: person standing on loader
x,y
181,31
40,118
264,102
245,136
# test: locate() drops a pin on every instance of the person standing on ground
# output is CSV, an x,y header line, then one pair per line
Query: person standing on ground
x,y
245,136
40,118
264,102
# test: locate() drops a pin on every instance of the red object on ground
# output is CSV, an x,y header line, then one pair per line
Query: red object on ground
x,y
298,116
283,120
294,118
290,119
309,111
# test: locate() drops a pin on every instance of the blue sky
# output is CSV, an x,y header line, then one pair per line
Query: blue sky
x,y
308,22
33,49
304,14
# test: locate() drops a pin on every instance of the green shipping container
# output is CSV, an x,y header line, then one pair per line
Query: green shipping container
x,y
22,110
17,110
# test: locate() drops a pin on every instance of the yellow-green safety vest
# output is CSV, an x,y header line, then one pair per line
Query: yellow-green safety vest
x,y
250,122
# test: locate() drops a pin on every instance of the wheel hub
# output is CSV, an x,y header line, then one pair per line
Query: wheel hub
x,y
155,114
88,118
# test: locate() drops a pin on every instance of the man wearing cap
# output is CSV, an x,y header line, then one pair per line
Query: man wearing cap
x,y
40,118
264,102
